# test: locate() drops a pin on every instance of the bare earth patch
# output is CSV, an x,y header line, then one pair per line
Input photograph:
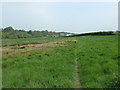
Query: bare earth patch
x,y
46,44
14,50
51,44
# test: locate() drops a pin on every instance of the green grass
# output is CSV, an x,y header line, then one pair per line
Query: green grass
x,y
47,69
25,41
54,67
98,61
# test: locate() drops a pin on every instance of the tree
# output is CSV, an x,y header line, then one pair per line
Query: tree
x,y
8,29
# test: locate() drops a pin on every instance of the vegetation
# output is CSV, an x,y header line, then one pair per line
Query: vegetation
x,y
98,61
25,41
101,33
10,33
61,62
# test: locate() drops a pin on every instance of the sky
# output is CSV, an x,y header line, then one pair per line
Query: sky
x,y
59,0
76,17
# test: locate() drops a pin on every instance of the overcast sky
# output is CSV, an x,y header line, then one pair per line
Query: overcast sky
x,y
61,16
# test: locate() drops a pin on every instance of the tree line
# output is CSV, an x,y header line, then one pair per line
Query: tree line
x,y
101,33
10,33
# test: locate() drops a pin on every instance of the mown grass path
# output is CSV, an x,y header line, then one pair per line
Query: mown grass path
x,y
77,79
76,71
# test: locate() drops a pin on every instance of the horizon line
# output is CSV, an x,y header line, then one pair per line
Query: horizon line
x,y
62,31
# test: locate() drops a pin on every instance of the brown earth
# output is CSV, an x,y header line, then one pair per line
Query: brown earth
x,y
22,49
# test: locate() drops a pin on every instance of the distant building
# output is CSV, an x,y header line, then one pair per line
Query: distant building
x,y
69,34
62,34
65,34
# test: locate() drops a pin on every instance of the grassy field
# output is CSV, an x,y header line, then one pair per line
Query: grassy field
x,y
66,62
14,42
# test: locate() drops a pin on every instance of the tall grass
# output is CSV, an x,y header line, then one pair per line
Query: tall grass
x,y
98,63
51,69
